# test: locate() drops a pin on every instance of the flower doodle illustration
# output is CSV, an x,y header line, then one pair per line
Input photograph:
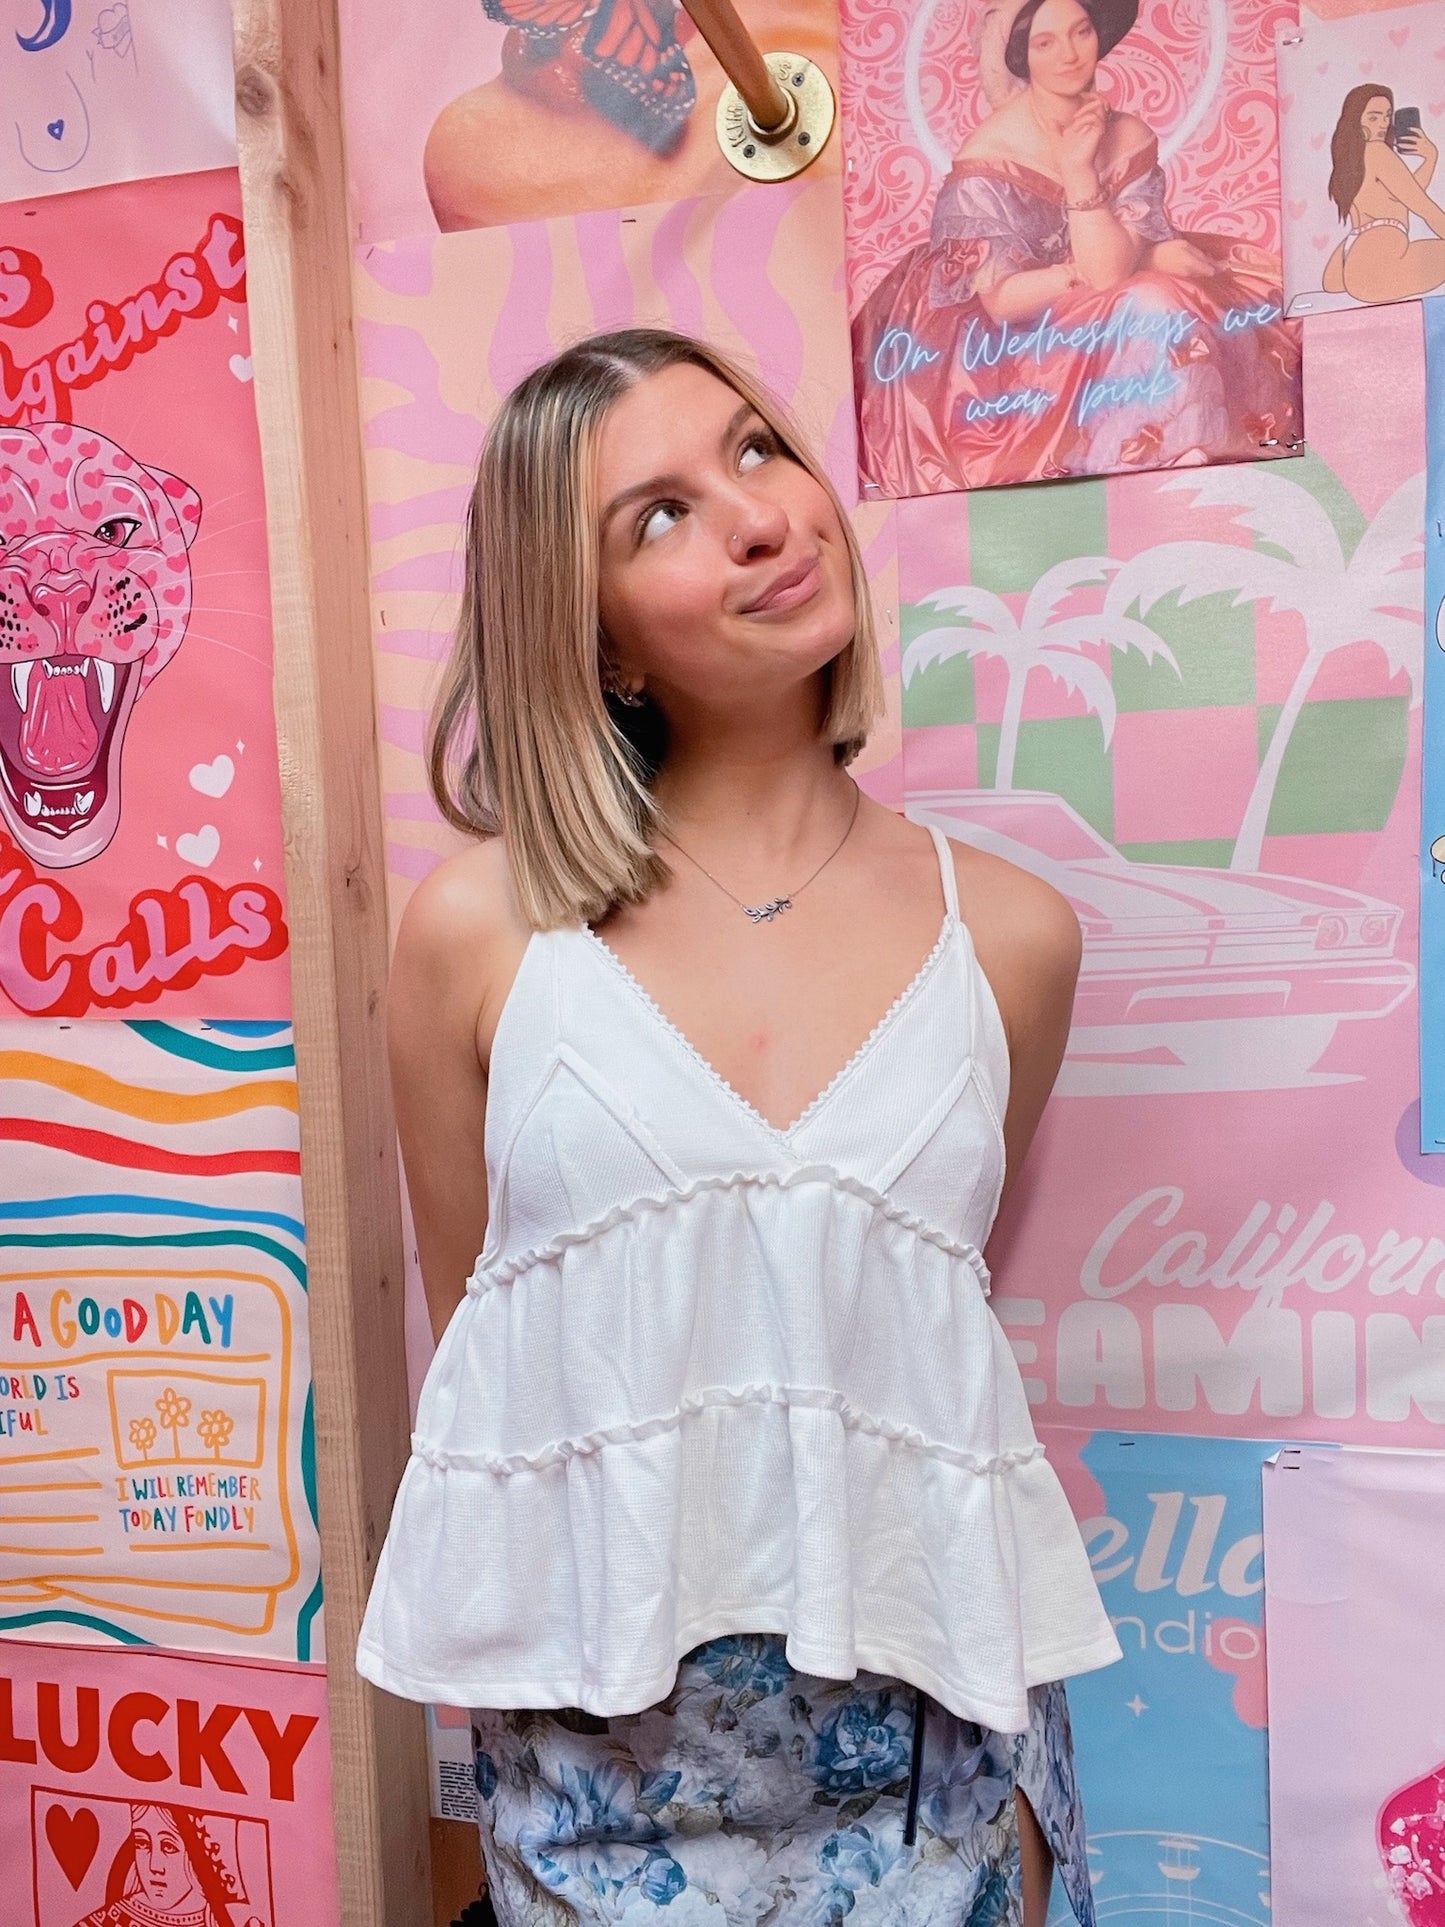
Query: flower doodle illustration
x,y
95,596
174,1413
215,1429
142,1433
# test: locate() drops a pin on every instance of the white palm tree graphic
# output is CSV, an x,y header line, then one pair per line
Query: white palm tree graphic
x,y
1034,640
1375,595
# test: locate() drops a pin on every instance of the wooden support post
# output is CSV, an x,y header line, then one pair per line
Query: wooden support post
x,y
293,177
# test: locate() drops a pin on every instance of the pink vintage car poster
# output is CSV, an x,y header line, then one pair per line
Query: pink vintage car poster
x,y
140,836
1063,224
1191,701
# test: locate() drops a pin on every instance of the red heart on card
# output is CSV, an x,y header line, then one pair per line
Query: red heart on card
x,y
74,1840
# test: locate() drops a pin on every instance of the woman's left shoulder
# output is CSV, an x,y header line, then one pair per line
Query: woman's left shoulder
x,y
1019,922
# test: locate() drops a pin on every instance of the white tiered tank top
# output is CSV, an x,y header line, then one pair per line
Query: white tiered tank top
x,y
713,1377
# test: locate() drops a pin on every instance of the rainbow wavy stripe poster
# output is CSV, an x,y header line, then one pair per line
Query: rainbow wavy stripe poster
x,y
156,1452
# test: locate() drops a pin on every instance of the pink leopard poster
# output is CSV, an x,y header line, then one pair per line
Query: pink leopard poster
x,y
1064,234
140,842
138,1788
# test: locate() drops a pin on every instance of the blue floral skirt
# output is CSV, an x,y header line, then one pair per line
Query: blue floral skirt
x,y
756,1796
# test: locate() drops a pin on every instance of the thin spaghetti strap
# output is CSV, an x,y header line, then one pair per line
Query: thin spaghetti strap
x,y
946,872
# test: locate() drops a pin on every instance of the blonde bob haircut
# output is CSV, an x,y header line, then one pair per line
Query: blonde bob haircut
x,y
522,740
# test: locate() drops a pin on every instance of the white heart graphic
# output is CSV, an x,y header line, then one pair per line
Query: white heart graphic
x,y
200,848
213,779
240,366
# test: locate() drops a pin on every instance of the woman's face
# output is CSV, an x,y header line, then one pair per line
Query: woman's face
x,y
161,1860
724,574
1377,118
1063,48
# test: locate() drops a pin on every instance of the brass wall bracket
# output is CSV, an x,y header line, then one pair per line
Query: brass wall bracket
x,y
780,152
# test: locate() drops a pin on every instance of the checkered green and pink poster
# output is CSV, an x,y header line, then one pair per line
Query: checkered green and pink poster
x,y
1192,702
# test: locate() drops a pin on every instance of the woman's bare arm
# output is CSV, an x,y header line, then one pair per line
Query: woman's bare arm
x,y
1397,179
454,935
1029,944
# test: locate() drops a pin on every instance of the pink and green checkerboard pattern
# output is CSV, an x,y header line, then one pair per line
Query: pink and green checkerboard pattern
x,y
1173,784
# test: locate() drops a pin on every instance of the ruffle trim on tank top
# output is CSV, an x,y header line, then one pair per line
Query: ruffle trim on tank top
x,y
758,1403
803,1397
506,1270
586,1586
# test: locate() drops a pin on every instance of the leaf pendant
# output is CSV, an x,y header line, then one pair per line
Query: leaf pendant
x,y
765,912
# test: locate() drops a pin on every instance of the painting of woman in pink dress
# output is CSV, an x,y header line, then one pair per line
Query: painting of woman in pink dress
x,y
1056,321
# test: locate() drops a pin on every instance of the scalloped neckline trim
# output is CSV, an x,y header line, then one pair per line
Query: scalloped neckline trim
x,y
783,1132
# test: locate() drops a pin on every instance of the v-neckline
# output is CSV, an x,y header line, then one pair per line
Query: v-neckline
x,y
783,1132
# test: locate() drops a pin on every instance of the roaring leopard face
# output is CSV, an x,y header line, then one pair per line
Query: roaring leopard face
x,y
95,594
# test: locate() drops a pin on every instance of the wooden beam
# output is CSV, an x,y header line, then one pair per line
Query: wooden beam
x,y
293,175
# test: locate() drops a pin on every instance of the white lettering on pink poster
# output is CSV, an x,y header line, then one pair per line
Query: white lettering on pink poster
x,y
1192,704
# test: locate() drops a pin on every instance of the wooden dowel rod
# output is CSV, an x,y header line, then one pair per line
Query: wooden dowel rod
x,y
737,53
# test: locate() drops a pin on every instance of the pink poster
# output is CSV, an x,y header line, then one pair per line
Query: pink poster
x,y
140,835
1034,298
138,1788
475,113
448,325
1191,702
1356,1597
1362,121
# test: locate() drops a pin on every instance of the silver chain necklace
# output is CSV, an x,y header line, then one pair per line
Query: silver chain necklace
x,y
765,912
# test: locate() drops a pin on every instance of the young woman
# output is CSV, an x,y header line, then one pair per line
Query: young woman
x,y
725,1512
1376,193
1053,217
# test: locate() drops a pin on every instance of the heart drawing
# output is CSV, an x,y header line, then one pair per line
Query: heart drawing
x,y
213,779
240,367
74,1840
55,129
201,848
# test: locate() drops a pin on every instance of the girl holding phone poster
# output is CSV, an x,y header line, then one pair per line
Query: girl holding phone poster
x,y
1376,192
1056,322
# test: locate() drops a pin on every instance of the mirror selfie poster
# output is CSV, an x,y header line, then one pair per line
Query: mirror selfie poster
x,y
1001,336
